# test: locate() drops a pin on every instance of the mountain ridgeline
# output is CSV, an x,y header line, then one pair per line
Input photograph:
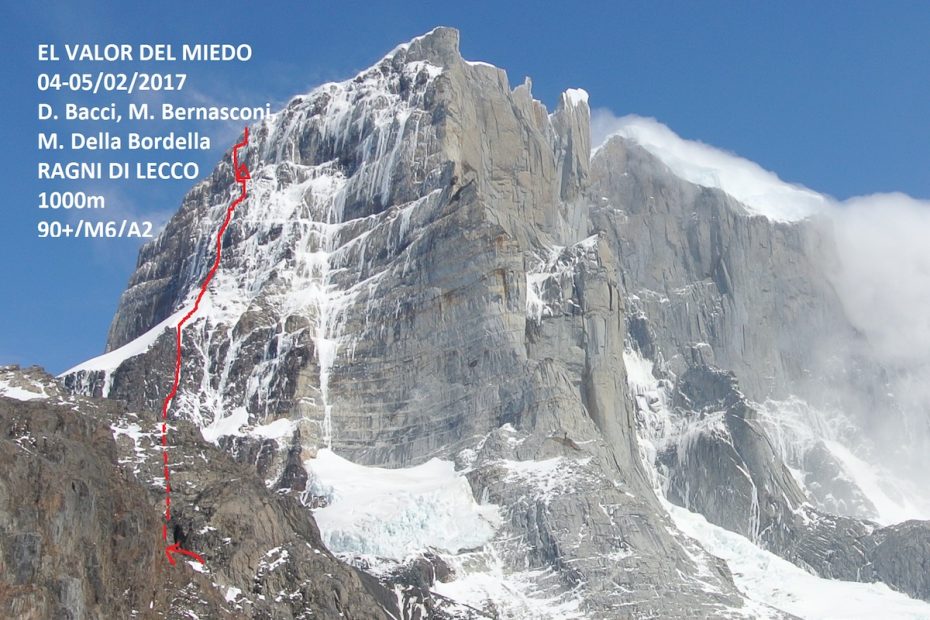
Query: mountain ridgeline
x,y
430,264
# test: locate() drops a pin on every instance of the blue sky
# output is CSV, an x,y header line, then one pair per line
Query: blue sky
x,y
831,95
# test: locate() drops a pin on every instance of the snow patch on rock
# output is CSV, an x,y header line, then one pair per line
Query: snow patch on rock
x,y
30,392
483,579
575,96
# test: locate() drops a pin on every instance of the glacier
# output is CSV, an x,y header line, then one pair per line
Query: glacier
x,y
396,513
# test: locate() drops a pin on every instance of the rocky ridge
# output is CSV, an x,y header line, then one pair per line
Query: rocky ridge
x,y
81,523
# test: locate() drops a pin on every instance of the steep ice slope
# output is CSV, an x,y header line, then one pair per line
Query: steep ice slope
x,y
838,464
431,265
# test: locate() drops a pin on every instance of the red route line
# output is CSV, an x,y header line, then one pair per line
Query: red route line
x,y
242,175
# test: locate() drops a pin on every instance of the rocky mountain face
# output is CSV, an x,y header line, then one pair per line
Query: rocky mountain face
x,y
432,265
81,528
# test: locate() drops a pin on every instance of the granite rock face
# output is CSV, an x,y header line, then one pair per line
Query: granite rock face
x,y
431,264
713,281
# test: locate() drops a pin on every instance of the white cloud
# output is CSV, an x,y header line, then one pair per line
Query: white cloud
x,y
884,245
760,190
883,250
883,240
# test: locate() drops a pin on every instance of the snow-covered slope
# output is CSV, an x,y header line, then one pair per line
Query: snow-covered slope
x,y
761,575
771,580
18,392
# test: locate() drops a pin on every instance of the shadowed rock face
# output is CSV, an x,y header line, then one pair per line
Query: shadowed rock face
x,y
80,524
432,264
76,533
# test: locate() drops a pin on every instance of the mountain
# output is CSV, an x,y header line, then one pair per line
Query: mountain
x,y
508,375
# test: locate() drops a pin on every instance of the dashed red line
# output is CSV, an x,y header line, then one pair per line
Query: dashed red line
x,y
242,175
